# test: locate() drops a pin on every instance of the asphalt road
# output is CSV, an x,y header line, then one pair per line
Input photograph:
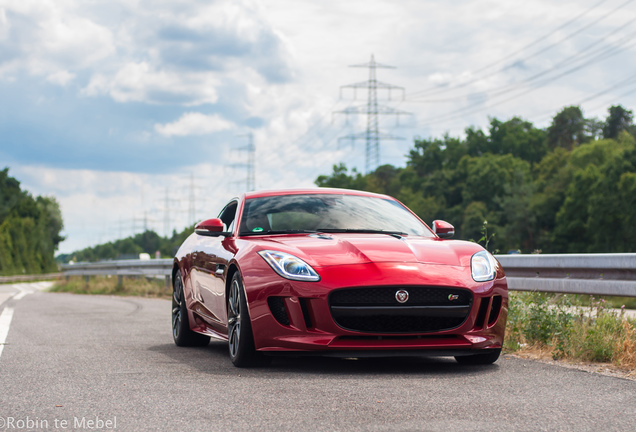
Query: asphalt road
x,y
75,362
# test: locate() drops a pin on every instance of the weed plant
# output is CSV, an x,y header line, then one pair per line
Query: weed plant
x,y
570,330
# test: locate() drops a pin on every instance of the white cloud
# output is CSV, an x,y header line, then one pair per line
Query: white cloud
x,y
4,24
75,40
194,123
138,51
140,82
61,77
46,38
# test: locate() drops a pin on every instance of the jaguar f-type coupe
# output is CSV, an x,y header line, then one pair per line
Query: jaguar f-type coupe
x,y
335,272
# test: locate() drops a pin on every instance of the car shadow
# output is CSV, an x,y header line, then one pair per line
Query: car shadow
x,y
214,359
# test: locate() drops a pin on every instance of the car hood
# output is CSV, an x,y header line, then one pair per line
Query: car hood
x,y
343,249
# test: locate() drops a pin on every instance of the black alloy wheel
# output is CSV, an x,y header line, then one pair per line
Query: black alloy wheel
x,y
239,328
181,332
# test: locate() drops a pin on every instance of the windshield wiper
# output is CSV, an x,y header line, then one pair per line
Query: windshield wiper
x,y
295,231
361,231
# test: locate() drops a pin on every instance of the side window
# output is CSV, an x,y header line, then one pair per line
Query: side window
x,y
228,216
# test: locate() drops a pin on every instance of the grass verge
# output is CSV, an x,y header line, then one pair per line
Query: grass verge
x,y
108,285
567,329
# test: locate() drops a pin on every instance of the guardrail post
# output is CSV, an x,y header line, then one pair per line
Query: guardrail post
x,y
120,280
168,283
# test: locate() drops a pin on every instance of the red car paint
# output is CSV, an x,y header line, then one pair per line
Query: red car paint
x,y
342,260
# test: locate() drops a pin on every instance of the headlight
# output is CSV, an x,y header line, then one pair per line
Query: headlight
x,y
483,266
289,266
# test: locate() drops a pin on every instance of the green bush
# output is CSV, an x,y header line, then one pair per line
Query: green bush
x,y
588,333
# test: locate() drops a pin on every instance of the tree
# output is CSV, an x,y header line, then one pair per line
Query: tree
x,y
340,178
596,215
475,215
29,229
619,119
477,142
610,213
567,129
517,217
430,155
518,138
552,177
385,180
571,233
486,177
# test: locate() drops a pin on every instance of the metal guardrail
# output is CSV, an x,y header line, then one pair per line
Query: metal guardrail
x,y
153,267
594,274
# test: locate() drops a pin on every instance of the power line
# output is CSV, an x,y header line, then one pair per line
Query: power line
x,y
437,89
581,55
468,109
631,80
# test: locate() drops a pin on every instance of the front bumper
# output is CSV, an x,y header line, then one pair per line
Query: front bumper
x,y
302,320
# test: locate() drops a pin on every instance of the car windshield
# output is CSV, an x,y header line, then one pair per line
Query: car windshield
x,y
328,213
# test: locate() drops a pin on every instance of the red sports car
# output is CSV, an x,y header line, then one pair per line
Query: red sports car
x,y
339,273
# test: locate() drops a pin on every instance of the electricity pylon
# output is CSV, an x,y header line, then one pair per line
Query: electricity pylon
x,y
167,219
372,135
194,198
250,180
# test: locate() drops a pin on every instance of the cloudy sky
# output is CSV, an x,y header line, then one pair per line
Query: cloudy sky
x,y
135,113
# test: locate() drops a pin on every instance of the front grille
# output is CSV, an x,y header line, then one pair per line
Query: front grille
x,y
376,309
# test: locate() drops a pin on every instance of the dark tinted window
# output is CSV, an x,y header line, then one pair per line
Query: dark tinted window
x,y
327,212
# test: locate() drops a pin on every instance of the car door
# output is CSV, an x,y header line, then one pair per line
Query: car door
x,y
211,264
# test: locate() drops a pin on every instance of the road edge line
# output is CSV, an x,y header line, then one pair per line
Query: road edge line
x,y
5,323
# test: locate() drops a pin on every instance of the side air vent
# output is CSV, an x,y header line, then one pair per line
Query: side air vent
x,y
494,310
304,307
277,307
481,315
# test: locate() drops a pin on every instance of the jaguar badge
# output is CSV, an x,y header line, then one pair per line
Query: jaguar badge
x,y
402,296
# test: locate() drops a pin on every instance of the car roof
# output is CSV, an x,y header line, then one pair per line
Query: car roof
x,y
314,191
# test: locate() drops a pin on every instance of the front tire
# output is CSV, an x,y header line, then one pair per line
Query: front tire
x,y
239,328
480,359
181,332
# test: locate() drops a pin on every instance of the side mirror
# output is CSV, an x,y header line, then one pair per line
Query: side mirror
x,y
443,229
211,228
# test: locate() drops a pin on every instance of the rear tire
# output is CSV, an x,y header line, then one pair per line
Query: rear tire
x,y
480,359
181,332
239,328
